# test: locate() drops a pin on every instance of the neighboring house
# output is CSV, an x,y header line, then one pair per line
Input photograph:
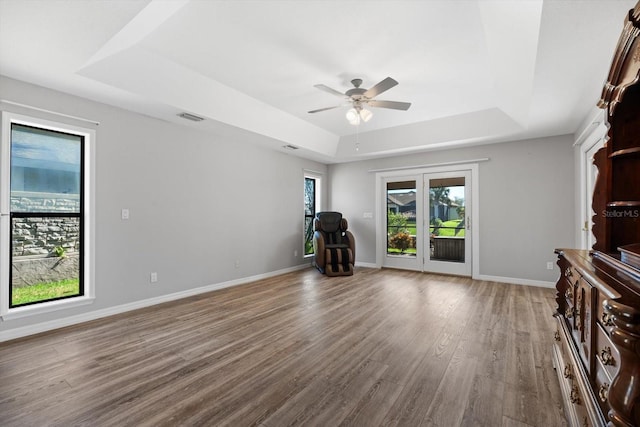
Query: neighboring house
x,y
446,211
404,203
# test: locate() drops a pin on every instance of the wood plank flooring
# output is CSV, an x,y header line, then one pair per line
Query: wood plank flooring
x,y
383,347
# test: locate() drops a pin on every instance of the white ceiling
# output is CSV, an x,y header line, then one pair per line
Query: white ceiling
x,y
475,71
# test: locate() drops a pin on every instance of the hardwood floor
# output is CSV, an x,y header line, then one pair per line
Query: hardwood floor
x,y
382,347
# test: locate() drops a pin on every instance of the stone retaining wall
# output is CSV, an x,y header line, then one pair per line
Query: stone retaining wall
x,y
27,271
40,236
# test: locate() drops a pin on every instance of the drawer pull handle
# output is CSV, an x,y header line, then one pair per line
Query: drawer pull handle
x,y
568,272
603,392
569,293
607,319
569,312
556,336
574,396
607,357
567,371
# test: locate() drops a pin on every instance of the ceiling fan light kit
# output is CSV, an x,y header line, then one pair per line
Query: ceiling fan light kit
x,y
356,115
360,98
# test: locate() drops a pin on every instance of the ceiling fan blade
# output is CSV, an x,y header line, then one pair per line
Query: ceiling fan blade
x,y
394,105
383,86
329,90
324,109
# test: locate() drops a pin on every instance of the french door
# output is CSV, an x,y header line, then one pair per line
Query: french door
x,y
427,222
447,243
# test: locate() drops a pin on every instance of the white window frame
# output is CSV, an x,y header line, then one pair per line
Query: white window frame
x,y
318,177
9,118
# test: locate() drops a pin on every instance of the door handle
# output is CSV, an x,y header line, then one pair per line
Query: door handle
x,y
468,223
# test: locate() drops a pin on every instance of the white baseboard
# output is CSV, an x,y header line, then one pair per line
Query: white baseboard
x,y
516,281
97,314
366,264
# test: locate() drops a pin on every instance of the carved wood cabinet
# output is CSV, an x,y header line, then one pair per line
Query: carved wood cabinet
x,y
596,350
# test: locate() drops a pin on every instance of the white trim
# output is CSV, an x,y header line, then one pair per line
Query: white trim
x,y
596,118
46,307
93,315
431,165
596,136
319,202
88,160
42,110
366,264
516,281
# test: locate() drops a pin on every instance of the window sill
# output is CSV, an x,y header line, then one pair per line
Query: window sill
x,y
46,307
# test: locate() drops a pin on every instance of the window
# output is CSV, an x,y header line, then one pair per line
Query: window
x,y
45,223
311,207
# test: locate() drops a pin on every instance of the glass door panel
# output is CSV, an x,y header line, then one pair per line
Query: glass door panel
x,y
403,228
447,244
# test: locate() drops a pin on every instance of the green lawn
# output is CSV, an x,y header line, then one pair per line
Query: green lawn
x,y
446,232
450,232
45,291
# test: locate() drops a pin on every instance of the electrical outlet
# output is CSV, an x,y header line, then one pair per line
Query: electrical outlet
x,y
295,253
153,277
550,265
125,214
237,263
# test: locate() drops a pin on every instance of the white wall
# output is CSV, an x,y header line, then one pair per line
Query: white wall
x,y
526,202
197,204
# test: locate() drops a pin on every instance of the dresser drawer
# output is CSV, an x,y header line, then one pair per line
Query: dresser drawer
x,y
569,376
606,353
578,405
601,390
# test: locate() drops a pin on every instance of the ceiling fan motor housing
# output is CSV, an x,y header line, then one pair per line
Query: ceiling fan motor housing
x,y
356,92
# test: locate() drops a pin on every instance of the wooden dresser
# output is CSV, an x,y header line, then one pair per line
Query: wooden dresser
x,y
596,352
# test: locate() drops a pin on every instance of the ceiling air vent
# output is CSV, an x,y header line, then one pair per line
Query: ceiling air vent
x,y
191,117
289,147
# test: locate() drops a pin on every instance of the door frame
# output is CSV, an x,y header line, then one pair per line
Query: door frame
x,y
596,137
380,200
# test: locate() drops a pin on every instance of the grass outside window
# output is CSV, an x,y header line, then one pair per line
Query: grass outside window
x,y
45,291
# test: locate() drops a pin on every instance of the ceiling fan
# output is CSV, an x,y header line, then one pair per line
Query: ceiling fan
x,y
360,98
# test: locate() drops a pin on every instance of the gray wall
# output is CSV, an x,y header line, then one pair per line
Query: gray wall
x,y
197,204
526,201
